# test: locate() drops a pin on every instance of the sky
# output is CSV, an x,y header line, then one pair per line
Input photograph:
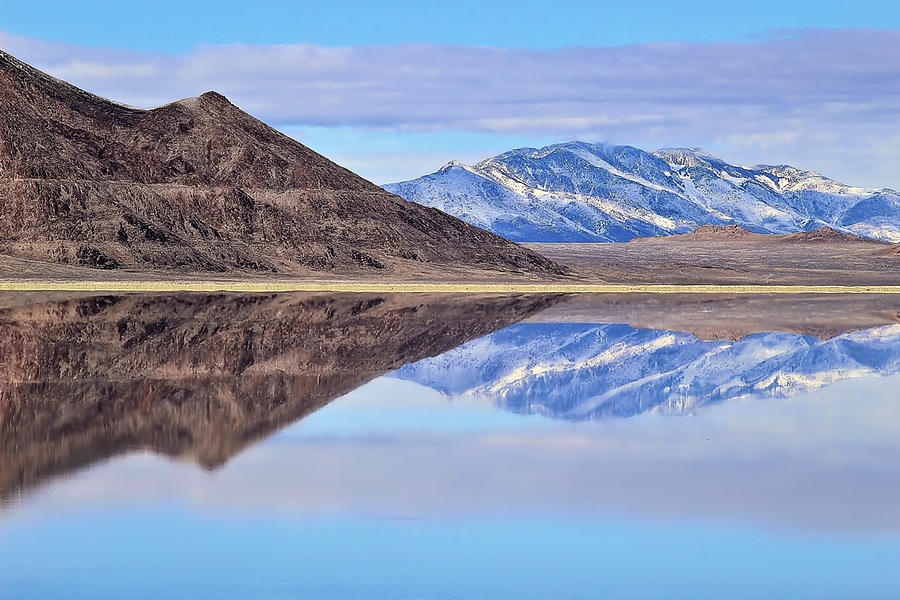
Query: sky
x,y
395,90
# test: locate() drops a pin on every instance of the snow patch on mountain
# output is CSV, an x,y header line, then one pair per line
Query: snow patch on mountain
x,y
581,371
580,192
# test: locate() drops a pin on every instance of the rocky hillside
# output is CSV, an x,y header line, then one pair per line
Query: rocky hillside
x,y
579,192
199,185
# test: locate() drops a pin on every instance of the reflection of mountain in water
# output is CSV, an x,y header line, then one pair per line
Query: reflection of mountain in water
x,y
203,375
586,371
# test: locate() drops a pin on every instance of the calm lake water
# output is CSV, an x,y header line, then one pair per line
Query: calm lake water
x,y
441,447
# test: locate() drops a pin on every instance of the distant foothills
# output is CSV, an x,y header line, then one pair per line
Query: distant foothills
x,y
581,192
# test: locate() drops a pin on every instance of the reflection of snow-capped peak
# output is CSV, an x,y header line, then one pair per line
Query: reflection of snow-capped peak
x,y
585,371
594,192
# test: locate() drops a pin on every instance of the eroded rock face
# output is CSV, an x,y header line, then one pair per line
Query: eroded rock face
x,y
203,376
199,185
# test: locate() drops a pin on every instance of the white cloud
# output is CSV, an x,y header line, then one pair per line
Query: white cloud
x,y
825,97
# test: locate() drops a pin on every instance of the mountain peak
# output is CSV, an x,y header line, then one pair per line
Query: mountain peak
x,y
453,164
214,97
209,100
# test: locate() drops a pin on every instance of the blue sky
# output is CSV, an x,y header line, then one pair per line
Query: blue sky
x,y
179,26
394,90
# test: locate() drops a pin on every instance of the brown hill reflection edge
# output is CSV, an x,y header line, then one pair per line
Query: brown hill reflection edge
x,y
203,375
731,316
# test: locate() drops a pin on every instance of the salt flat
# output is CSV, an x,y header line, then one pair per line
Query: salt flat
x,y
263,286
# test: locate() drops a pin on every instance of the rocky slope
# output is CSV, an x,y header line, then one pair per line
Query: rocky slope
x,y
579,192
202,376
199,185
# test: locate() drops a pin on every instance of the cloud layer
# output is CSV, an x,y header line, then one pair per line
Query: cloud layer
x,y
817,97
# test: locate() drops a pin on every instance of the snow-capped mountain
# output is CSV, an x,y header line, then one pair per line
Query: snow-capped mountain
x,y
580,192
584,371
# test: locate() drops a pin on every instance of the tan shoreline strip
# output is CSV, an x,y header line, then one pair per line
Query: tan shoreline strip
x,y
349,286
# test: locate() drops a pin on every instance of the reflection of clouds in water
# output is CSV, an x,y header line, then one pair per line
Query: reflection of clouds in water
x,y
821,461
386,405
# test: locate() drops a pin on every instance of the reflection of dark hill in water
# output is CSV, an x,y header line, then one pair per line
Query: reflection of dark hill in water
x,y
203,375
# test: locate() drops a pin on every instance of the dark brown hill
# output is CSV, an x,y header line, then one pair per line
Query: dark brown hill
x,y
199,185
825,235
704,232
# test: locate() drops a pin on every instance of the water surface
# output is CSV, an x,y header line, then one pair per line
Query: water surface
x,y
435,446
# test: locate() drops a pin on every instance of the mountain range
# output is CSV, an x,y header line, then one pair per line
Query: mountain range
x,y
581,192
199,185
583,371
